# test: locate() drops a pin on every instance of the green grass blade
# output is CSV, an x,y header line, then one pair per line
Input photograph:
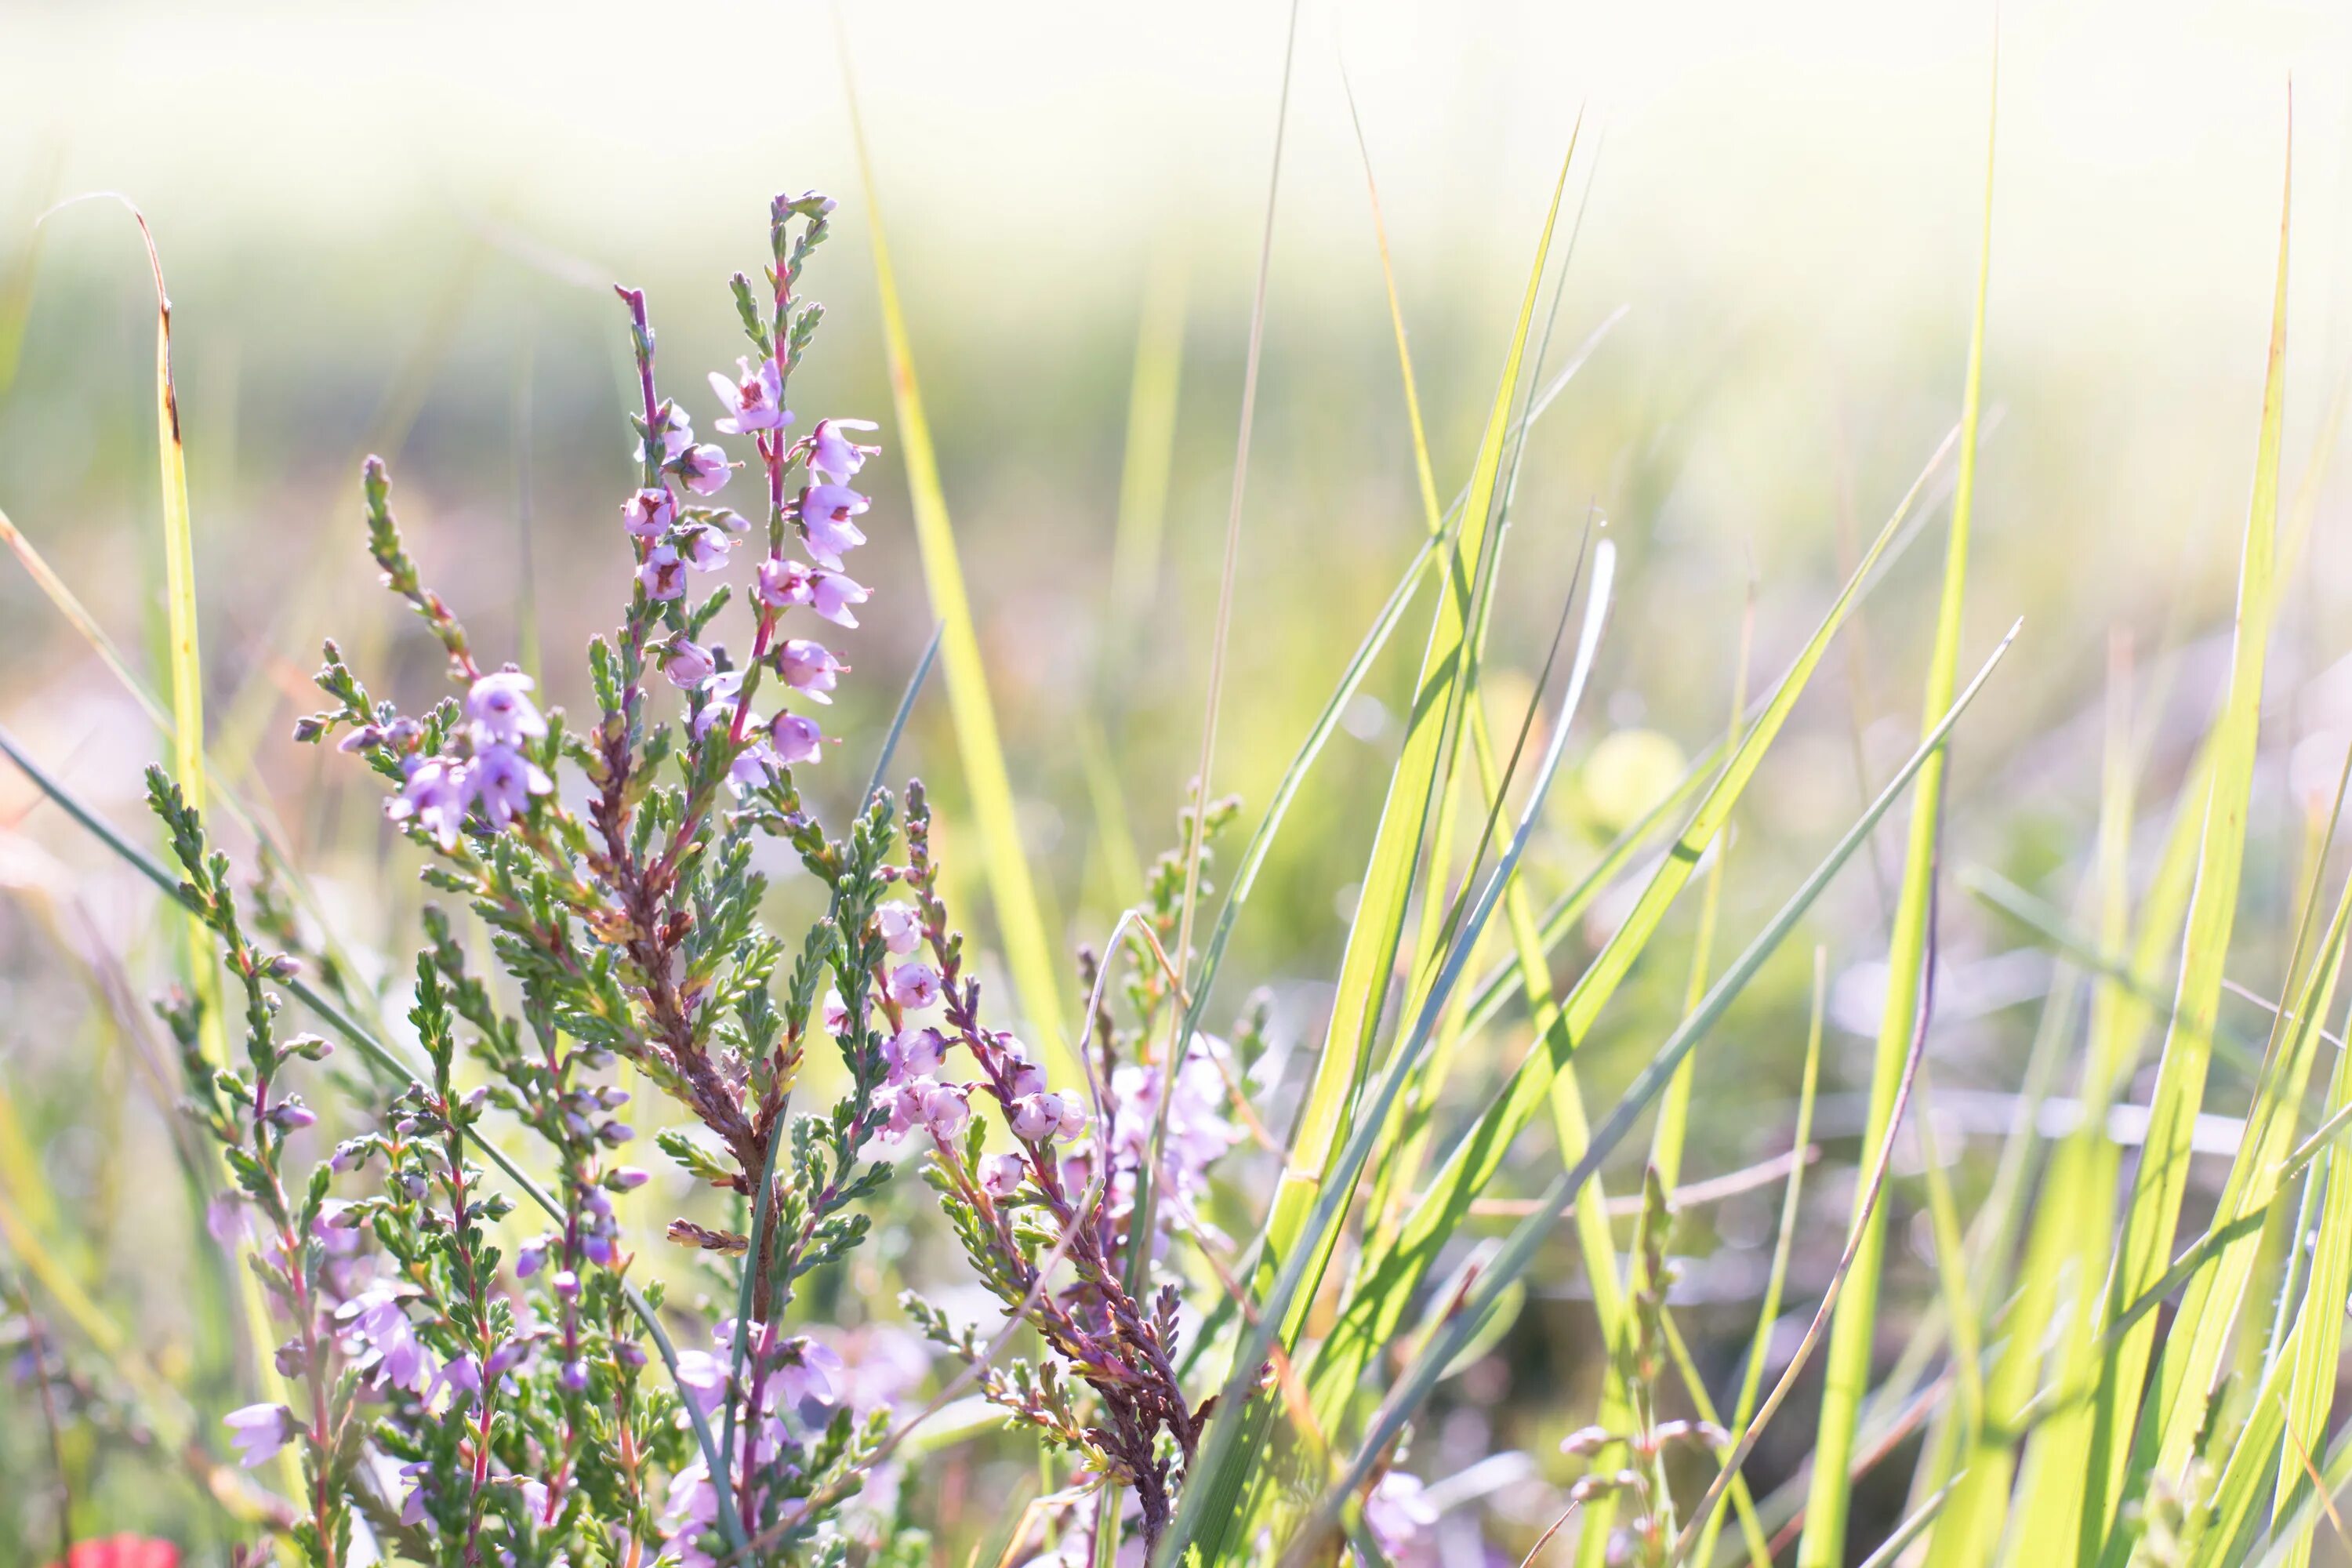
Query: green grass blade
x,y
1029,948
2181,1080
1846,1370
1520,1248
1776,1278
1377,930
1151,451
1377,1305
2319,1340
1230,1452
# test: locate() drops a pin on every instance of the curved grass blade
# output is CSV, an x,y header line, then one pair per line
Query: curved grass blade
x,y
1228,1452
1378,1304
1776,1278
1519,1250
1846,1370
1022,926
2116,1472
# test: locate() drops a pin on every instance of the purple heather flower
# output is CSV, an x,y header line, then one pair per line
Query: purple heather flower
x,y
914,985
1046,1114
378,1336
1001,1174
837,1013
228,1221
834,455
261,1430
508,1357
913,1054
626,1178
728,518
411,1507
463,1375
705,547
504,781
809,667
703,1377
565,1284
687,663
574,1376
1400,1517
291,1114
783,583
754,766
796,739
753,401
648,513
831,595
901,928
705,470
944,1109
501,709
435,795
662,574
825,511
806,1371
531,1257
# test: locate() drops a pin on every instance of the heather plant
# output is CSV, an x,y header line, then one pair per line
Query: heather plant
x,y
471,1406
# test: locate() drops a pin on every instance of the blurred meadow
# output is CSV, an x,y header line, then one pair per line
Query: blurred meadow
x,y
399,236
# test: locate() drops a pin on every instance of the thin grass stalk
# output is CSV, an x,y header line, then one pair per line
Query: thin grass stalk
x,y
1846,1370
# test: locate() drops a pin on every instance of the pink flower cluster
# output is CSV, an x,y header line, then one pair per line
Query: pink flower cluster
x,y
824,510
490,774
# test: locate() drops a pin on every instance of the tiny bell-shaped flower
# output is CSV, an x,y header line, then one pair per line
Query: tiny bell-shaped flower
x,y
832,595
835,454
914,985
705,470
1001,1174
706,548
435,795
783,583
795,739
687,663
662,574
260,1431
648,513
809,667
753,401
901,928
825,512
677,432
504,782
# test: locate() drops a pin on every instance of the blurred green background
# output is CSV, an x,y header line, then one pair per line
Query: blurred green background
x,y
397,235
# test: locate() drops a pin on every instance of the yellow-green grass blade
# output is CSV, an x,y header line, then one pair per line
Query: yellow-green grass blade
x,y
2244,1477
1520,1250
1230,1454
1375,1309
77,615
2181,1080
1022,928
1376,932
2319,1339
1846,1370
1374,935
2218,1295
1776,1278
1969,1530
1666,1141
1151,451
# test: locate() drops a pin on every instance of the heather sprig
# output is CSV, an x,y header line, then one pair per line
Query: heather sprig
x,y
250,1115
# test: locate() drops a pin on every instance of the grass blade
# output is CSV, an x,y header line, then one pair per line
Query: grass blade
x,y
1519,1250
1846,1373
1380,1300
1029,948
2188,1051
